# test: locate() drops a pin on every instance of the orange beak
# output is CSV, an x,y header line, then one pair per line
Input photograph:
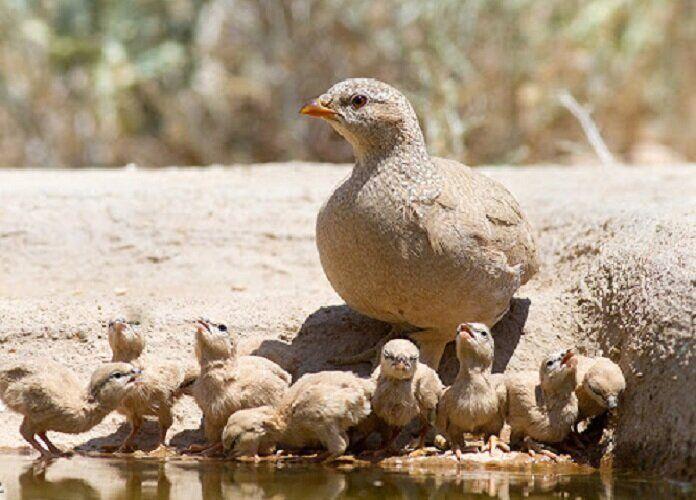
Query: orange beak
x,y
317,109
567,357
465,331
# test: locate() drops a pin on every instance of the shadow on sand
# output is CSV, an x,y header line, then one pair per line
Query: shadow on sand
x,y
335,331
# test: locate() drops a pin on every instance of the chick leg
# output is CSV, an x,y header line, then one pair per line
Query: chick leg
x,y
370,355
334,440
53,448
28,435
165,422
420,446
128,444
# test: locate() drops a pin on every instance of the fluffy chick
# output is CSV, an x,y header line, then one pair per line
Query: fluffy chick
x,y
50,398
318,410
542,407
599,383
477,400
405,389
227,385
159,387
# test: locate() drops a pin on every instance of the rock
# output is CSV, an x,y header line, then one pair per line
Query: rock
x,y
640,312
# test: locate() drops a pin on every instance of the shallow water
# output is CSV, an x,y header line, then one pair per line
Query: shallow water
x,y
98,478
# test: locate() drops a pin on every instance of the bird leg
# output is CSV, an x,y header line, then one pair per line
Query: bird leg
x,y
165,422
370,355
28,435
419,448
53,448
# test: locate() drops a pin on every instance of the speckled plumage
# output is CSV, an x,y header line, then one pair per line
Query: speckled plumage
x,y
159,386
543,405
476,402
51,398
411,239
600,382
405,388
226,385
318,410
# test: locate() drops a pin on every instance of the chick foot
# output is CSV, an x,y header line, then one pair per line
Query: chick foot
x,y
53,449
494,444
195,449
534,448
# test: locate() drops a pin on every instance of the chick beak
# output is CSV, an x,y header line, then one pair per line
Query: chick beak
x,y
135,376
612,403
567,357
317,109
465,331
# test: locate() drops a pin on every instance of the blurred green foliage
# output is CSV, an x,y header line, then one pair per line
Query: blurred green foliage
x,y
158,82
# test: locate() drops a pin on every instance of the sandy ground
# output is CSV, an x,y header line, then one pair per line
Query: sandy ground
x,y
78,248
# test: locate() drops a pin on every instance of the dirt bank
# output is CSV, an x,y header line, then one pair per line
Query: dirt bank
x,y
237,245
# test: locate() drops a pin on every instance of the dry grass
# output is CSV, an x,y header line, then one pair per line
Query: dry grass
x,y
87,82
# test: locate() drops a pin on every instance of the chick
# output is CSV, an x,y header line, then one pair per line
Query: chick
x,y
405,389
228,384
543,407
599,382
476,402
50,398
159,387
318,410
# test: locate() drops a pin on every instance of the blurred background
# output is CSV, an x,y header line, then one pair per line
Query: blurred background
x,y
197,82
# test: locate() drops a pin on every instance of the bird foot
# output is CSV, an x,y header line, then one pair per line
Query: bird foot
x,y
112,448
494,444
534,448
212,451
195,449
422,452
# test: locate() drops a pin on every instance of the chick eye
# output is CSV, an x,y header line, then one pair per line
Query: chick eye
x,y
484,334
118,375
549,363
222,328
358,101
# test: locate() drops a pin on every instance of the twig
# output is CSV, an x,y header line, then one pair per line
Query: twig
x,y
588,126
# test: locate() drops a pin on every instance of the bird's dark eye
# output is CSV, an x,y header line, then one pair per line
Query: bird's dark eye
x,y
118,375
484,334
549,362
358,101
222,328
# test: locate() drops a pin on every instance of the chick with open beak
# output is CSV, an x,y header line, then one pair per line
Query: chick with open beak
x,y
543,406
475,402
405,389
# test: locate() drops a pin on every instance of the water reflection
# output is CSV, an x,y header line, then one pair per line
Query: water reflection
x,y
90,478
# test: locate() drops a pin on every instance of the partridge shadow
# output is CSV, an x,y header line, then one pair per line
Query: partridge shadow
x,y
327,333
336,331
147,439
